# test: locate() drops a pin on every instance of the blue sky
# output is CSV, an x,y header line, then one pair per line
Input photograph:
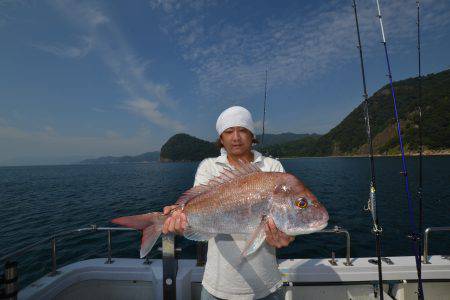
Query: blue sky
x,y
92,78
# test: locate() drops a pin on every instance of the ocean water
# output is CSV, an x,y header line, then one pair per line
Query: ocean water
x,y
39,201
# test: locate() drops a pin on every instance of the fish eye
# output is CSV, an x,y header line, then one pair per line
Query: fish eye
x,y
301,203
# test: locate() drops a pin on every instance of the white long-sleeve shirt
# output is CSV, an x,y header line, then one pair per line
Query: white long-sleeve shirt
x,y
227,276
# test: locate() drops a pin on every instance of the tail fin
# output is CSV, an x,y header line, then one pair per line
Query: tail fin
x,y
150,224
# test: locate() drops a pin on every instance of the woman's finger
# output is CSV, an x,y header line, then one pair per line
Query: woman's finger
x,y
168,209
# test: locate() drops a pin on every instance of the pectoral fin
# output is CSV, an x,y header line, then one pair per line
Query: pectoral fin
x,y
256,239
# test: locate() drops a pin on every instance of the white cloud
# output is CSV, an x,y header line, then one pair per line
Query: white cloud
x,y
230,56
166,5
111,134
66,51
99,110
48,144
49,130
9,132
132,73
85,14
173,5
150,111
5,5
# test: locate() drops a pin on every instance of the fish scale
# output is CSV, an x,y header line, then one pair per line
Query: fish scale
x,y
232,202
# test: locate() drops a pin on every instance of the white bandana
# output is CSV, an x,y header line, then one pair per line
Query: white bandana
x,y
235,116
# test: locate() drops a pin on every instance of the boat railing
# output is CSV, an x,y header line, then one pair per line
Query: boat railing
x,y
426,259
52,239
339,230
168,249
10,277
201,253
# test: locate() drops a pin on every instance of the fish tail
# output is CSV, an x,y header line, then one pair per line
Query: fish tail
x,y
150,224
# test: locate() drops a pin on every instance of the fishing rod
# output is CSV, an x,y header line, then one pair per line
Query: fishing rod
x,y
419,109
372,204
264,112
413,229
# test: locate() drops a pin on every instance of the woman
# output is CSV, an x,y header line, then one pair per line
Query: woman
x,y
256,277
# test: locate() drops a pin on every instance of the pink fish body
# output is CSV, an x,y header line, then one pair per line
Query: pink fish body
x,y
239,202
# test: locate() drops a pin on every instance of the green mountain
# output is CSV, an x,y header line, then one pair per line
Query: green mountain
x,y
305,146
183,147
350,137
273,139
144,157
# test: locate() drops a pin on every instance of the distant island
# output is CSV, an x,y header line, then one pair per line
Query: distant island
x,y
141,158
349,137
183,147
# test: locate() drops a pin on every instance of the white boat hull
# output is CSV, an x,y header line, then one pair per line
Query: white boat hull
x,y
305,279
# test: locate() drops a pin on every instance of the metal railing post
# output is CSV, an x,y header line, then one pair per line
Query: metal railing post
x,y
425,259
338,229
348,261
10,280
109,260
170,267
53,273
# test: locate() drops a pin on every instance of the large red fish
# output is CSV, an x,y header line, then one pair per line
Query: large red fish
x,y
239,202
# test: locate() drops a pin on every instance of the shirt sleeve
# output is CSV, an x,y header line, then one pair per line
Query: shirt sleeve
x,y
202,175
277,167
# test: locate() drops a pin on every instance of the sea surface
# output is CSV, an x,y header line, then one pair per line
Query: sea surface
x,y
39,201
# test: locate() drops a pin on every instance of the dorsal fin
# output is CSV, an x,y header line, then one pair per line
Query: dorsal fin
x,y
226,175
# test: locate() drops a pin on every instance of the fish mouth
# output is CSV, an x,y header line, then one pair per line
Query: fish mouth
x,y
314,227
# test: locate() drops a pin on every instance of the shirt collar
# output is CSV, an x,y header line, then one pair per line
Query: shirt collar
x,y
222,159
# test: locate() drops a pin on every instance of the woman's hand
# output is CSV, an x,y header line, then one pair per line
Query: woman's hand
x,y
275,237
176,222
